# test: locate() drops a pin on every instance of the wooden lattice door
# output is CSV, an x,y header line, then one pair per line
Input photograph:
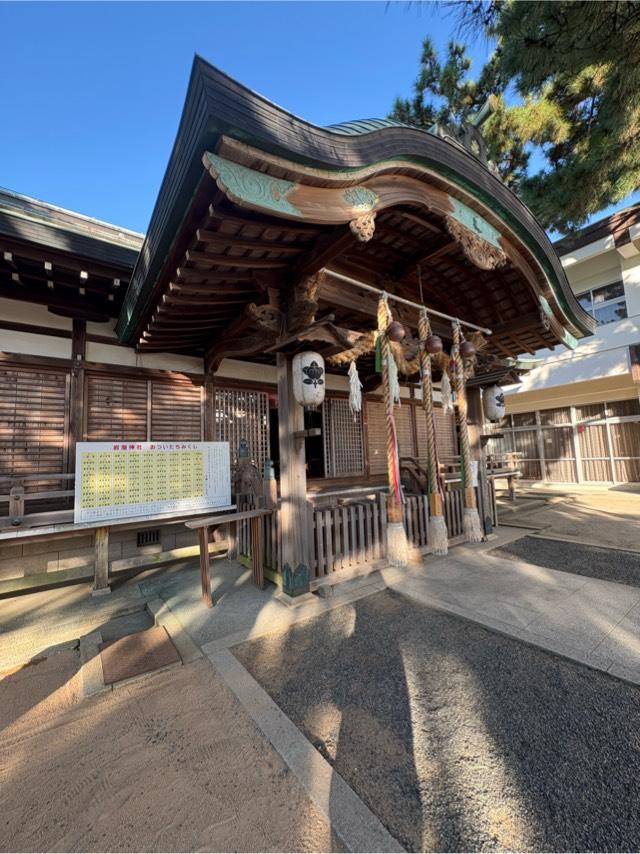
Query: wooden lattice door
x,y
343,439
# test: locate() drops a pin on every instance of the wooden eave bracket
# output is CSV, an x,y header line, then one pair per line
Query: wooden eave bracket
x,y
323,333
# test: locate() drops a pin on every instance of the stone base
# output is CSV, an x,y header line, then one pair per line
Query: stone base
x,y
295,582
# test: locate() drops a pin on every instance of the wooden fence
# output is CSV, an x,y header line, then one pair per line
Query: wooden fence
x,y
351,534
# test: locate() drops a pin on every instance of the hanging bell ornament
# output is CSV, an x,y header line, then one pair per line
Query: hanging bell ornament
x,y
395,331
434,345
467,350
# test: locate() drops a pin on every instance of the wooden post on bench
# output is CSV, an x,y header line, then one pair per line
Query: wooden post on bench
x,y
205,578
101,571
16,504
257,549
232,519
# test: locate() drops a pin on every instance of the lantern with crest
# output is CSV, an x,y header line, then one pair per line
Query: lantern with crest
x,y
493,403
308,379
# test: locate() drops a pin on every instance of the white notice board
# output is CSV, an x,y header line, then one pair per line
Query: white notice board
x,y
118,480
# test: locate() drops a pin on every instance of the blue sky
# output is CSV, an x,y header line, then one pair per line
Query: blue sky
x,y
91,93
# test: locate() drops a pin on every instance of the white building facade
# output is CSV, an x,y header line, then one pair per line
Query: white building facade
x,y
575,418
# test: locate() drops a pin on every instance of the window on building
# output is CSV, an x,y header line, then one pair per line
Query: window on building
x,y
607,304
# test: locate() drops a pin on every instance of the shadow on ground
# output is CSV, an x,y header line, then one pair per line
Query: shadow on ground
x,y
606,564
458,738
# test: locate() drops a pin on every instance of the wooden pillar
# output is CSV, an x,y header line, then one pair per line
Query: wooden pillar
x,y
205,578
209,408
475,419
101,569
294,511
76,401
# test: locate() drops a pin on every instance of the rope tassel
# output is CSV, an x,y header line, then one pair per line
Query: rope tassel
x,y
397,546
355,391
438,534
472,528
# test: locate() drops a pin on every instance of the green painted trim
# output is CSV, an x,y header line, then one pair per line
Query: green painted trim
x,y
132,307
474,222
252,187
544,305
361,198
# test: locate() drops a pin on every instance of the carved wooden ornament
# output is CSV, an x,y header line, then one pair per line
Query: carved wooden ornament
x,y
364,227
479,251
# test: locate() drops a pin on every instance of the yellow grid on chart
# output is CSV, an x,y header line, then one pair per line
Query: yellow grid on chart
x,y
116,478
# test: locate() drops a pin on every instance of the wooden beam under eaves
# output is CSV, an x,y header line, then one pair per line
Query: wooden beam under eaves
x,y
220,239
62,260
191,274
418,220
202,299
326,249
192,255
221,215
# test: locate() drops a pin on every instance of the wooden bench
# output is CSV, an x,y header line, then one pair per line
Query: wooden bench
x,y
101,532
202,526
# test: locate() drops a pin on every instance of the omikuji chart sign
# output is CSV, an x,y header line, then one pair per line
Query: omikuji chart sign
x,y
116,480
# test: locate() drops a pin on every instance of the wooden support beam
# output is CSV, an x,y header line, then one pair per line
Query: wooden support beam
x,y
294,511
209,408
523,323
221,215
418,220
190,274
219,238
341,296
244,288
57,302
101,568
76,390
326,248
61,259
475,420
205,577
192,255
183,298
425,258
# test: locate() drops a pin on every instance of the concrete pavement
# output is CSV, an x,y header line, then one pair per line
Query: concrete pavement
x,y
590,621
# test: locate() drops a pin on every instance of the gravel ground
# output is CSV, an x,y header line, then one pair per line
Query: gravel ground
x,y
460,739
606,564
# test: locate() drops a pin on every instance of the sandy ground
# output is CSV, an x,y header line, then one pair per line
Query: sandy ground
x,y
168,763
608,518
457,738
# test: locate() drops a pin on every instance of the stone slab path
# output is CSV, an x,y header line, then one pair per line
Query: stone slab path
x,y
591,621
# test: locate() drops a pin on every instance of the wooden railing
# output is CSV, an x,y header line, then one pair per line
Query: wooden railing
x,y
349,532
22,492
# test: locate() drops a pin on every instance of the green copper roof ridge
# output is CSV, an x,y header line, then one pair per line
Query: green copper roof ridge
x,y
357,127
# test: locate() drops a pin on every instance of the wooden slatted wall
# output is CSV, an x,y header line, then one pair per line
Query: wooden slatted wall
x,y
142,410
33,424
116,408
376,436
404,430
594,451
446,441
176,412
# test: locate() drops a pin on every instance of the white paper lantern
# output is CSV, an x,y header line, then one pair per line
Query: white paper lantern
x,y
493,403
308,379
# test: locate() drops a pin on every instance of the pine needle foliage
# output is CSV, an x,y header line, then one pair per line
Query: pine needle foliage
x,y
575,66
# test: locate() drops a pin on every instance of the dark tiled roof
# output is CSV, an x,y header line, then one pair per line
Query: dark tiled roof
x,y
30,220
616,225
